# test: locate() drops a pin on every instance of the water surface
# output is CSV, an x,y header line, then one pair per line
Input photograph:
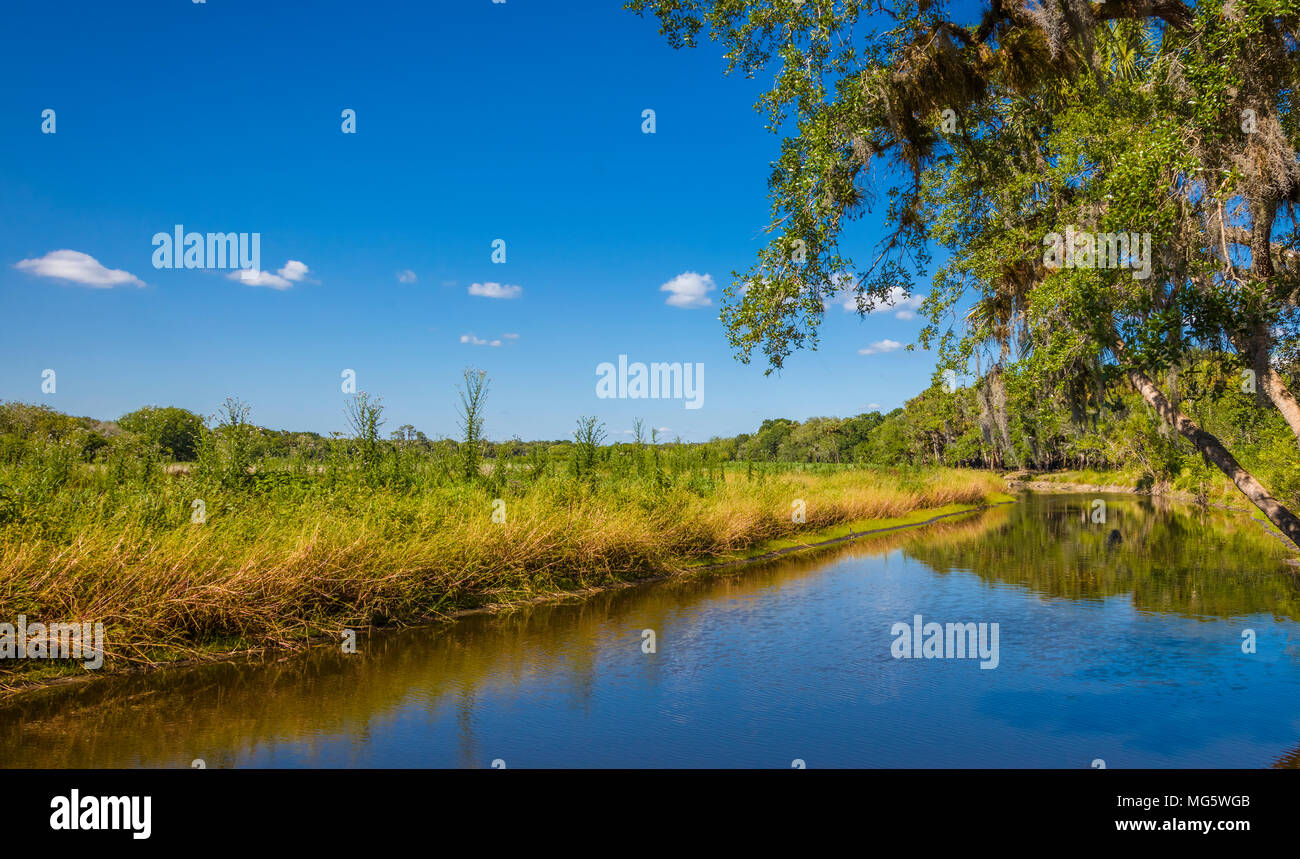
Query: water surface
x,y
1119,641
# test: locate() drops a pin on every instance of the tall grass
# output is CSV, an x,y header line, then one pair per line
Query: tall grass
x,y
381,532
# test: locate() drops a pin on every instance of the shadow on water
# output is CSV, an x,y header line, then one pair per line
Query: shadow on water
x,y
403,688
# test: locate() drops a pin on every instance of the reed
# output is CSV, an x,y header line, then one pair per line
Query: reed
x,y
239,552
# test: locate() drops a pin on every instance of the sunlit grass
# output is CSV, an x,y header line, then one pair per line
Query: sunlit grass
x,y
301,557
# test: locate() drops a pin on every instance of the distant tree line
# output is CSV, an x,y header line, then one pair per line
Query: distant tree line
x,y
1002,421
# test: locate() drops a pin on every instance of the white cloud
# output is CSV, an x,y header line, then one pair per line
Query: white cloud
x,y
841,293
903,305
875,407
880,347
253,277
495,290
79,268
406,276
510,336
475,341
294,270
689,290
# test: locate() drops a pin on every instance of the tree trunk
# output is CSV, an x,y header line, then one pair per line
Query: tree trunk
x,y
1276,390
1257,349
1258,346
1214,451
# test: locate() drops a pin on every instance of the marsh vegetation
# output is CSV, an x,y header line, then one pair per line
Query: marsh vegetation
x,y
249,546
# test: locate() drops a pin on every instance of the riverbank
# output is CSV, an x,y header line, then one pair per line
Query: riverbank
x,y
280,570
806,632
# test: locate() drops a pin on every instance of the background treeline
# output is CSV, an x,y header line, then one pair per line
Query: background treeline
x,y
1006,422
1002,421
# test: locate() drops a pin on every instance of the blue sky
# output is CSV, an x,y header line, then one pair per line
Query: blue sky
x,y
474,121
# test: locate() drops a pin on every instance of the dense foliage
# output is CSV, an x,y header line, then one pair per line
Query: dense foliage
x,y
1124,435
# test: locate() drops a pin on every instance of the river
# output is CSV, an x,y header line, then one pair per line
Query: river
x,y
1123,644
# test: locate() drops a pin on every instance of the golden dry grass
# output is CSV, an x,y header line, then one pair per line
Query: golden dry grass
x,y
269,572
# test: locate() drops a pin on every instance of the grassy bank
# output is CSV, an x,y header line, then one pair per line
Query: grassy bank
x,y
287,553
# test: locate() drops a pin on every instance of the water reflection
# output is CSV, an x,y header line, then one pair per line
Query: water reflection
x,y
1125,649
1170,558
